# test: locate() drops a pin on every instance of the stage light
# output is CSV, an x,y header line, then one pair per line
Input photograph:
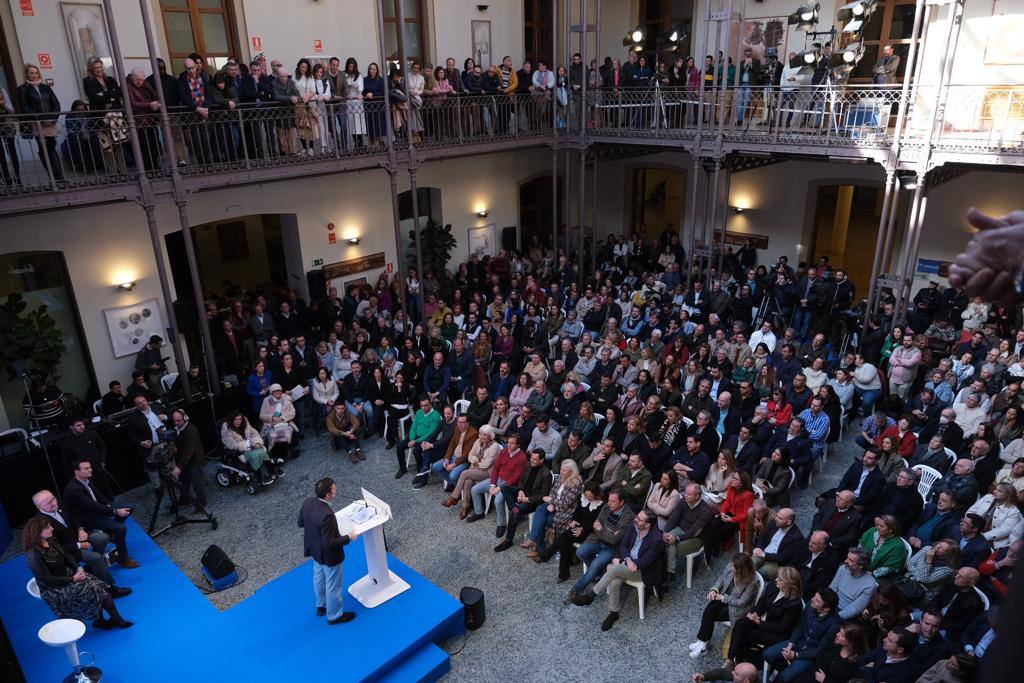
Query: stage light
x,y
737,209
809,57
634,38
805,17
637,35
856,13
843,62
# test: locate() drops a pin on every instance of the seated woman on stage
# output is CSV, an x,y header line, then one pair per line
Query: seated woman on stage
x,y
64,586
243,444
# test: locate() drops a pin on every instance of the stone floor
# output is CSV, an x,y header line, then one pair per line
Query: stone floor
x,y
528,630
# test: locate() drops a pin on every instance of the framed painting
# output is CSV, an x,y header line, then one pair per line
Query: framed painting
x,y
130,327
88,37
481,36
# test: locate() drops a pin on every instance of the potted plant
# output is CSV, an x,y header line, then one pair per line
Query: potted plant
x,y
436,244
30,336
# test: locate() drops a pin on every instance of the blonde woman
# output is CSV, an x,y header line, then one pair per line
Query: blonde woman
x,y
1001,514
717,480
560,504
771,620
481,457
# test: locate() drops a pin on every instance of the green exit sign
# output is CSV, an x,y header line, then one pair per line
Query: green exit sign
x,y
318,262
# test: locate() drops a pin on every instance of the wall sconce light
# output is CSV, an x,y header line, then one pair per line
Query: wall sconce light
x,y
353,241
737,209
483,214
127,286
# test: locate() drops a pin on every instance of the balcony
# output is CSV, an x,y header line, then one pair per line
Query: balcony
x,y
90,157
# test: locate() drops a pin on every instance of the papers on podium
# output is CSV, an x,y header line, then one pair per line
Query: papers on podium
x,y
366,517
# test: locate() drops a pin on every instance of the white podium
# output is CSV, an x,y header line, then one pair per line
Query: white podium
x,y
367,517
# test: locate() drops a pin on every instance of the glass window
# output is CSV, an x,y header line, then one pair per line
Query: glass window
x,y
179,32
215,34
902,22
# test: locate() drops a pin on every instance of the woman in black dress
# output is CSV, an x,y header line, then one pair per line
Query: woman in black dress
x,y
840,662
63,585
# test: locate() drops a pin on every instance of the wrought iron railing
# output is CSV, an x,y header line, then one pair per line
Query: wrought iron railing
x,y
81,150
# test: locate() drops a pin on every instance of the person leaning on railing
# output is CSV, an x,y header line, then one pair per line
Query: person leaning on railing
x,y
41,109
143,100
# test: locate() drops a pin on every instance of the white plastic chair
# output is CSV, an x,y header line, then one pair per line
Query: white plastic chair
x,y
461,406
760,591
96,406
638,584
167,381
951,455
792,478
910,551
928,476
33,589
758,493
689,564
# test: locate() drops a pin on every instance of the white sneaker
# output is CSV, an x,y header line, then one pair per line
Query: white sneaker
x,y
697,649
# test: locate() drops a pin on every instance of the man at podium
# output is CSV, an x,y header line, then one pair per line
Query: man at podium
x,y
324,543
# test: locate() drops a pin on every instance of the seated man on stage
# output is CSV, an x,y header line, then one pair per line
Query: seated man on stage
x,y
83,444
78,543
94,511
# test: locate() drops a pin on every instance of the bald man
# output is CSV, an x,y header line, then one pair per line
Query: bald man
x,y
778,545
744,672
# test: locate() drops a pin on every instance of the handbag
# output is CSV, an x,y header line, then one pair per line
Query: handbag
x,y
912,590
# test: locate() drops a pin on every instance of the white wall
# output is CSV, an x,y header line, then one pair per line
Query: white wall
x,y
451,26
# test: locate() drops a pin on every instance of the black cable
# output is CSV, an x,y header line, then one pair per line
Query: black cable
x,y
465,639
210,591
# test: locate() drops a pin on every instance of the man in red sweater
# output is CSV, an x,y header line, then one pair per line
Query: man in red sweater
x,y
505,471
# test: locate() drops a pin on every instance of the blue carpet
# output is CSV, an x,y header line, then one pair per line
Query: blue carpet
x,y
272,636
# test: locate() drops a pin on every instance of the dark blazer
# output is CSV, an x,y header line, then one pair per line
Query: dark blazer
x,y
874,669
353,389
66,535
799,447
321,539
252,91
789,549
43,103
778,618
948,527
952,438
185,94
820,572
925,656
139,431
960,609
746,457
189,444
52,568
870,493
975,552
845,532
82,507
904,504
651,558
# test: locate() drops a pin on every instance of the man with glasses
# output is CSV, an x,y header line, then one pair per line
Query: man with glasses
x,y
750,78
192,92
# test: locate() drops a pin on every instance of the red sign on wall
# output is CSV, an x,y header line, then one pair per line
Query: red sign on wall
x,y
332,238
44,60
26,8
318,46
257,43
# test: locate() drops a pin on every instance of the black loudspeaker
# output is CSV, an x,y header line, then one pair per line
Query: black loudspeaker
x,y
217,562
473,611
317,284
509,238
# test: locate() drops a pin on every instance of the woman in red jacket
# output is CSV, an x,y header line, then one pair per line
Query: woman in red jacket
x,y
780,410
739,498
906,440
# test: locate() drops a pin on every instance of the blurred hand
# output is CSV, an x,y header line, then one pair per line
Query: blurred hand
x,y
990,264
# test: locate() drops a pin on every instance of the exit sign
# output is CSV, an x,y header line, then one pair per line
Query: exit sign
x,y
318,262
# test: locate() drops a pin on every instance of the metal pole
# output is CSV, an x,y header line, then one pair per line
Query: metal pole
x,y
956,12
147,204
585,75
921,12
412,158
912,253
197,293
566,210
694,182
392,169
725,221
554,147
887,201
725,72
593,209
554,76
582,204
710,233
915,210
165,119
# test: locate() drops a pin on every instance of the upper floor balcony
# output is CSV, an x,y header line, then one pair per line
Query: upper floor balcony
x,y
60,159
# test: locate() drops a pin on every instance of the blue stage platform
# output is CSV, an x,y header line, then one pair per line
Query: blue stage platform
x,y
272,636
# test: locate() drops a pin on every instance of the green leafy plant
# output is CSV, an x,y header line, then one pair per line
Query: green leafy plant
x,y
436,244
32,337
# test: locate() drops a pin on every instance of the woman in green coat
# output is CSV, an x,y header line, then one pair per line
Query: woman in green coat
x,y
886,547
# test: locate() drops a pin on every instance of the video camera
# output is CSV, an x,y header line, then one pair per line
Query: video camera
x,y
161,455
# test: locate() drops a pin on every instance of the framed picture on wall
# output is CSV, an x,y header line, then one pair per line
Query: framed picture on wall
x,y
481,240
88,38
130,327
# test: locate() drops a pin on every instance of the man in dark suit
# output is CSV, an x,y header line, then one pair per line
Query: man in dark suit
x,y
866,481
778,545
638,556
974,547
745,448
890,662
937,521
76,541
959,603
189,458
931,645
93,510
81,443
839,518
818,563
143,426
323,542
355,389
795,438
227,348
952,434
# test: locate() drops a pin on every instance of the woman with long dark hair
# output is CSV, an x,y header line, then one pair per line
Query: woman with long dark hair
x,y
354,96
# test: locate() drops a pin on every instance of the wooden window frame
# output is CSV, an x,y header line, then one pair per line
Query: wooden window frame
x,y
194,12
540,28
421,21
887,10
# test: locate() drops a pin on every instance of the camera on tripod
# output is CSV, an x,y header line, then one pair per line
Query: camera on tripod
x,y
161,455
770,65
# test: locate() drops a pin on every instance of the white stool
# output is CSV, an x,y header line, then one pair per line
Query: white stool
x,y
64,633
33,589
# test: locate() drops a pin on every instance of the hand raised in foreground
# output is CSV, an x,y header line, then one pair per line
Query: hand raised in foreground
x,y
990,265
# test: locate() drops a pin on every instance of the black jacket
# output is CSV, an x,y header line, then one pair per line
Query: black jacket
x,y
904,504
746,457
818,573
870,493
846,530
788,550
778,617
87,445
321,539
960,607
66,535
81,505
139,431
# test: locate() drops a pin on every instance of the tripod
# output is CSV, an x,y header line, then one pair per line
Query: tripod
x,y
169,485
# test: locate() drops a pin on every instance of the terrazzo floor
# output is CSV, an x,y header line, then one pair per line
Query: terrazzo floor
x,y
530,633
